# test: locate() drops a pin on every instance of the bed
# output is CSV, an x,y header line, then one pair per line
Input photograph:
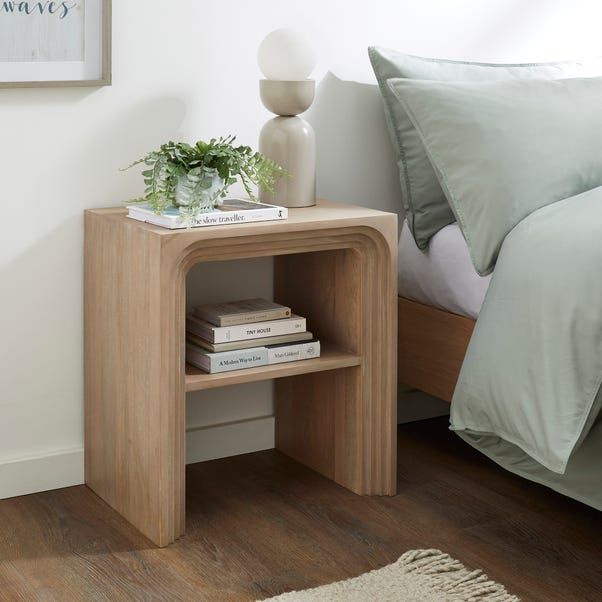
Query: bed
x,y
500,289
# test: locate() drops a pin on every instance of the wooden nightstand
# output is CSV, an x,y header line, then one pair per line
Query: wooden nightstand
x,y
334,264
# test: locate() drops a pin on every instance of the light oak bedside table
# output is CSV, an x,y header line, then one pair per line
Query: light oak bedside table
x,y
334,264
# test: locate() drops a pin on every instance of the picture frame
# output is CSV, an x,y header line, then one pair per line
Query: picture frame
x,y
55,44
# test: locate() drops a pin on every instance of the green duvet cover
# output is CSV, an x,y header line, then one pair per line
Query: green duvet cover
x,y
528,395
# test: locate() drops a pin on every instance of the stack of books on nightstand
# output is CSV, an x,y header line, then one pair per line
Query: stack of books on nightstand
x,y
245,334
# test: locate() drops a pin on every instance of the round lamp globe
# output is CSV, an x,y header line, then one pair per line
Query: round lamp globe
x,y
285,55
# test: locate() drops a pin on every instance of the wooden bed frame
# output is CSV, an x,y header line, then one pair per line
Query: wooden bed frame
x,y
431,347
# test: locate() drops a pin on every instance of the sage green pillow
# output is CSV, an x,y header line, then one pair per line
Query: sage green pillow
x,y
426,208
503,149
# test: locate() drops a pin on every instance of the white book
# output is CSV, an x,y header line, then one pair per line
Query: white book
x,y
244,332
231,211
279,354
226,361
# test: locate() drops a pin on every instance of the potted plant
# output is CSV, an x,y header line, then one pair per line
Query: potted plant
x,y
195,178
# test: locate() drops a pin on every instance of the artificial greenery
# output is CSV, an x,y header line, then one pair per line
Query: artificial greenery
x,y
182,175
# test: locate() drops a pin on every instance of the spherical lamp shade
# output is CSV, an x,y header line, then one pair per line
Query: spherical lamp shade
x,y
285,55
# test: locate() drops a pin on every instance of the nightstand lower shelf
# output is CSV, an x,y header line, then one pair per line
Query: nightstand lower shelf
x,y
331,358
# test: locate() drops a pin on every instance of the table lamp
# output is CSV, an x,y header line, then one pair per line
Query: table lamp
x,y
287,60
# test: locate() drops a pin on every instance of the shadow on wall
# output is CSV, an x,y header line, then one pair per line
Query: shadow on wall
x,y
355,158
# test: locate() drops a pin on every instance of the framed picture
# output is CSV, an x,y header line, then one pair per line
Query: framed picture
x,y
55,43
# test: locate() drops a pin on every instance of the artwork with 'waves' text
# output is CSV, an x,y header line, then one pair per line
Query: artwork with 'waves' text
x,y
54,42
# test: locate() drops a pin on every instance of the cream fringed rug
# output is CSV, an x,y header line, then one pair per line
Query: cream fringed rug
x,y
418,576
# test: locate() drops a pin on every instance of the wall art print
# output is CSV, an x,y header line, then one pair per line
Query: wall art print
x,y
55,43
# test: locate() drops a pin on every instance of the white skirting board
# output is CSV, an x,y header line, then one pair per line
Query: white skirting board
x,y
229,439
41,473
65,469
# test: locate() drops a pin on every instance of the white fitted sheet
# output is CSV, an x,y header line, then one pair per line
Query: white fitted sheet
x,y
442,276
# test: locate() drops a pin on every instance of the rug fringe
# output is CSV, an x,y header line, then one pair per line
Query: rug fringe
x,y
450,576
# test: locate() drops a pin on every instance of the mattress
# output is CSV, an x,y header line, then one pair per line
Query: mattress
x,y
442,276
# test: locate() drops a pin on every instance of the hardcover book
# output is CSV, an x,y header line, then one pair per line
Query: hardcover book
x,y
242,312
227,360
279,354
239,359
231,211
243,332
295,337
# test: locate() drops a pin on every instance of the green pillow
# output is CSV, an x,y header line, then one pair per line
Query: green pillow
x,y
426,209
503,149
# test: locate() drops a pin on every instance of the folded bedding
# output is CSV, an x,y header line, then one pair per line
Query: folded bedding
x,y
521,167
528,394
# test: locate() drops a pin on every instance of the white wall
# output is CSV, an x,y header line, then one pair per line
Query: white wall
x,y
186,69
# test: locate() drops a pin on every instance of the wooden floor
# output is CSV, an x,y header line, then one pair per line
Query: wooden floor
x,y
261,524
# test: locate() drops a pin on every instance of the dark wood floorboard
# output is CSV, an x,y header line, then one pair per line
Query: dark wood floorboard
x,y
262,524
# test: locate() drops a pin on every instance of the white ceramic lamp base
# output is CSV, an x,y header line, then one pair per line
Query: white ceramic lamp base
x,y
290,141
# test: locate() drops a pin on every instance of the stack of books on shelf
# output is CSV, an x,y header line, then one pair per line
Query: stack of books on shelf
x,y
246,334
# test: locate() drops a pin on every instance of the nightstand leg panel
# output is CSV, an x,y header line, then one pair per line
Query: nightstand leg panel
x,y
130,414
342,423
